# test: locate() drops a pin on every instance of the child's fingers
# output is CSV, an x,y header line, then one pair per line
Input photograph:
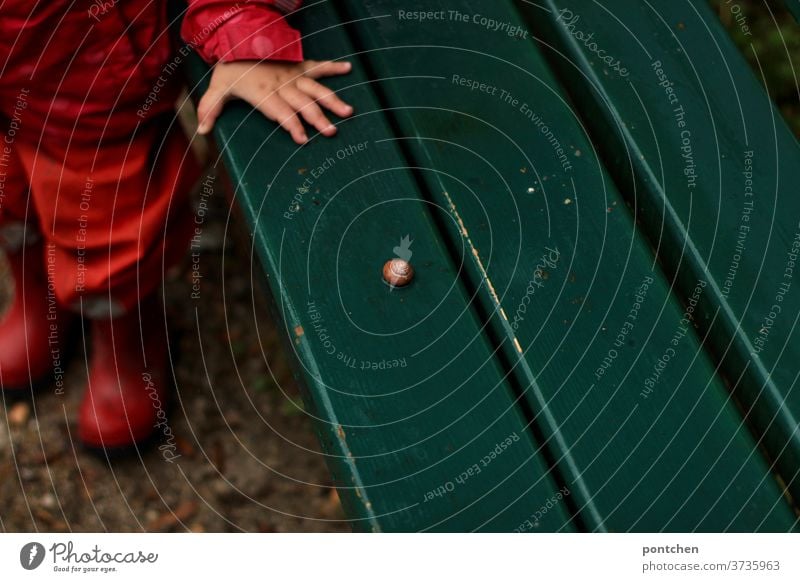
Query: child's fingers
x,y
279,110
209,108
323,95
310,111
317,69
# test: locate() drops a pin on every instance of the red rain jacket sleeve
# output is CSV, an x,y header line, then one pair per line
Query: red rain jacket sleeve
x,y
226,30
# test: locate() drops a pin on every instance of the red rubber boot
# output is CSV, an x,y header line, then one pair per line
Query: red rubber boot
x,y
30,337
125,400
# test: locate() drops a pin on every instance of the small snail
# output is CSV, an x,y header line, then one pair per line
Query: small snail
x,y
397,272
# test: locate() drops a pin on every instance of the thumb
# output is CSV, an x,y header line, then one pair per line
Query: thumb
x,y
209,109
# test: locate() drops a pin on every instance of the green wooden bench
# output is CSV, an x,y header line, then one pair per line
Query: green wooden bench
x,y
569,355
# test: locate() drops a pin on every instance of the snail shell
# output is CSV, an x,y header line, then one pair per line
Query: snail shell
x,y
397,272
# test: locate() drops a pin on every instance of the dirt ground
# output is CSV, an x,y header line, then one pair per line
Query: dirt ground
x,y
248,458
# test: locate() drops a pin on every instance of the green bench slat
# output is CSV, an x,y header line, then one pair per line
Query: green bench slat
x,y
435,443
794,8
706,226
673,456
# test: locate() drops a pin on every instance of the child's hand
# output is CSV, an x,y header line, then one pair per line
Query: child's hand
x,y
279,90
